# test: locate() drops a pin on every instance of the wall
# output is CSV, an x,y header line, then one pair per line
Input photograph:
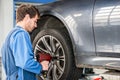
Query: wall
x,y
6,22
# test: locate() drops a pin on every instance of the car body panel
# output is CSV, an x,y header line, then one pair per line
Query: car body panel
x,y
107,27
92,27
81,33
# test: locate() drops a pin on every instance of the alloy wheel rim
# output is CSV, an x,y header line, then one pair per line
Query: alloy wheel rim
x,y
51,45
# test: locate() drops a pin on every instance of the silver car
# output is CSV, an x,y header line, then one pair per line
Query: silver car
x,y
78,34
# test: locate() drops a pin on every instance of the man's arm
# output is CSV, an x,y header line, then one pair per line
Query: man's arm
x,y
22,52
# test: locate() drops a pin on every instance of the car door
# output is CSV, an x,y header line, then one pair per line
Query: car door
x,y
106,23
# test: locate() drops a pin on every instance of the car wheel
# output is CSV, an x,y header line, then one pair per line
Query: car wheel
x,y
58,45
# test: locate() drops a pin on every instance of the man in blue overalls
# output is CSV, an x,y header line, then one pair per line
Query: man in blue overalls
x,y
17,53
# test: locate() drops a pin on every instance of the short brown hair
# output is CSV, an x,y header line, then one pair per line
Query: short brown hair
x,y
26,9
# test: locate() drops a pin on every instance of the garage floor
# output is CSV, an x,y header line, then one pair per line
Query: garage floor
x,y
103,74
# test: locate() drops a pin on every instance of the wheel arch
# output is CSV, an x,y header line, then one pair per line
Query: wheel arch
x,y
47,18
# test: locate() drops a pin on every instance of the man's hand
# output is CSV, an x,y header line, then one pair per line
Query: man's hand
x,y
45,65
45,68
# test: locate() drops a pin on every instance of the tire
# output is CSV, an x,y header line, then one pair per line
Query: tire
x,y
58,45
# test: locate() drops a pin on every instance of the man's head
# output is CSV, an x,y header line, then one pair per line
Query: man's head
x,y
27,16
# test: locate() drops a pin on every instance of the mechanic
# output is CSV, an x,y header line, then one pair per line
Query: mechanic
x,y
17,53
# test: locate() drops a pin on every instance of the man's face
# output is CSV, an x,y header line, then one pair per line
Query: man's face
x,y
32,23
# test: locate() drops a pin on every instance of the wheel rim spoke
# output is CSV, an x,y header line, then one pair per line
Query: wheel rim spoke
x,y
52,44
41,49
62,58
46,44
57,48
59,68
49,70
54,73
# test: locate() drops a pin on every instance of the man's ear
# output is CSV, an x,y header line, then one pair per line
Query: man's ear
x,y
27,17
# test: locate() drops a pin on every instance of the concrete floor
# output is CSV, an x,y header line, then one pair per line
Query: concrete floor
x,y
104,74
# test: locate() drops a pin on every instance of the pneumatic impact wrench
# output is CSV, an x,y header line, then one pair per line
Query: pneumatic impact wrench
x,y
41,56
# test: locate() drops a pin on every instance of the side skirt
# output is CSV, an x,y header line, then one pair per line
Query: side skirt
x,y
98,62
